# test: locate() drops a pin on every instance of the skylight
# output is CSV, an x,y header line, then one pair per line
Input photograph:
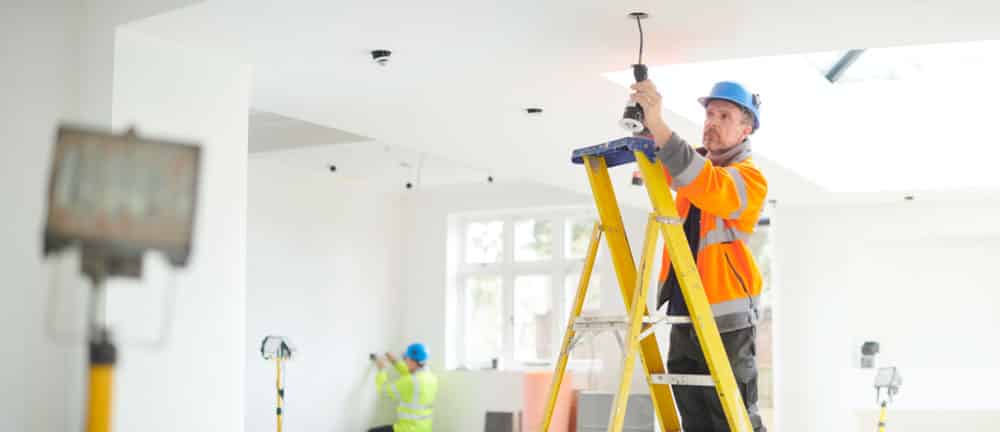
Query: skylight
x,y
913,62
897,119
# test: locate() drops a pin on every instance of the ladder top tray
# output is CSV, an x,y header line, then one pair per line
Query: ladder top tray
x,y
617,152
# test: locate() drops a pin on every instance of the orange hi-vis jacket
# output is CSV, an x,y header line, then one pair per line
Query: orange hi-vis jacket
x,y
730,196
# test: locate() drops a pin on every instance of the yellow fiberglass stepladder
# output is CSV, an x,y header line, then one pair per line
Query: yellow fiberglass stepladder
x,y
639,324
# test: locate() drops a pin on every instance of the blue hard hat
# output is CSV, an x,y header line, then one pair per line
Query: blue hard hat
x,y
416,352
737,94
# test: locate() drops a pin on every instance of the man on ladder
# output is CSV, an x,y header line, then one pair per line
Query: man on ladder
x,y
720,194
415,390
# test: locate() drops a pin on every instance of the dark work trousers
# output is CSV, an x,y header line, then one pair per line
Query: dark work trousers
x,y
381,429
699,407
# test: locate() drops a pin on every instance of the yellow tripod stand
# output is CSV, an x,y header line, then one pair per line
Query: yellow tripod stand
x,y
103,355
280,350
639,323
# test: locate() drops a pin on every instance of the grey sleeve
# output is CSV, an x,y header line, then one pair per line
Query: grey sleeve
x,y
679,157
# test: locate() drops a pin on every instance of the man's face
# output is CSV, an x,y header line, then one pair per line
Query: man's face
x,y
412,365
725,125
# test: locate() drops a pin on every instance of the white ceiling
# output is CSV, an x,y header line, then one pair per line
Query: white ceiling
x,y
387,167
275,132
462,71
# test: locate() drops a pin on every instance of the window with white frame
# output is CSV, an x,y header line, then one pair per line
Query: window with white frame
x,y
762,246
516,280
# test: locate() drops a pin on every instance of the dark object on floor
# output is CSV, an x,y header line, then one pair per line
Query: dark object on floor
x,y
503,422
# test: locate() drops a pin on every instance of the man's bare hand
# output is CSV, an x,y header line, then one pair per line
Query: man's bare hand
x,y
646,95
390,357
379,363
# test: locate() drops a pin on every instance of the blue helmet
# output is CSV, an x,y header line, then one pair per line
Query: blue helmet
x,y
416,352
737,94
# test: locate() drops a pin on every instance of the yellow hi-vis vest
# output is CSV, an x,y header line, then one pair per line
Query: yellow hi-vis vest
x,y
415,393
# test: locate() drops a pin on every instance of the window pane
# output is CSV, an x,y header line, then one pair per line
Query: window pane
x,y
532,240
761,247
533,318
483,317
483,242
578,237
591,303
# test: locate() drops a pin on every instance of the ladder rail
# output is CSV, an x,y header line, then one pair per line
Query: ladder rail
x,y
637,313
625,271
634,286
569,337
694,295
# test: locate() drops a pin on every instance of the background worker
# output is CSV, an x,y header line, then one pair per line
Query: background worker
x,y
415,389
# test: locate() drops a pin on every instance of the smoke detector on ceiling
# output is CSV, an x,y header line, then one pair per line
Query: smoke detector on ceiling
x,y
381,57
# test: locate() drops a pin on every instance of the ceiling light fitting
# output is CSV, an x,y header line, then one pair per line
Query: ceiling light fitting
x,y
632,119
381,57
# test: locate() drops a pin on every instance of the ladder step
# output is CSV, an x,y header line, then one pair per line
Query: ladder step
x,y
682,380
599,322
666,319
670,220
592,323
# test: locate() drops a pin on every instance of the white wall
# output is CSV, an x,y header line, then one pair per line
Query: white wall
x,y
907,275
465,396
97,22
197,97
36,54
196,381
323,270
